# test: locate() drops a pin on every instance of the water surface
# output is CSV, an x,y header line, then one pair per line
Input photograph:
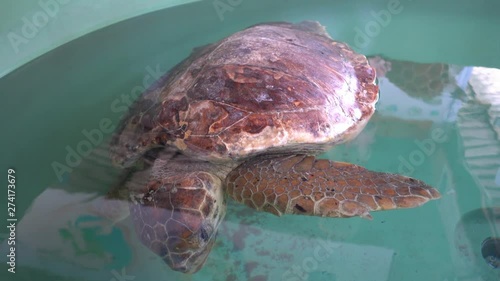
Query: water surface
x,y
81,89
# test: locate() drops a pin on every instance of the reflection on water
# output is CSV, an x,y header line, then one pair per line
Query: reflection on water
x,y
476,238
429,125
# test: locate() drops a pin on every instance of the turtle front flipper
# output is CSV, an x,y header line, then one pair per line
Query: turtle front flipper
x,y
305,185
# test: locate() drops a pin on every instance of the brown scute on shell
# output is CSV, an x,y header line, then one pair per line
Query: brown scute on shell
x,y
266,89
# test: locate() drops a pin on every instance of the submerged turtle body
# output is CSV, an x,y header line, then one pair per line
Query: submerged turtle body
x,y
245,116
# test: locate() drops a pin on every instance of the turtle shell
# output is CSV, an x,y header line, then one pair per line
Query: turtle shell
x,y
271,88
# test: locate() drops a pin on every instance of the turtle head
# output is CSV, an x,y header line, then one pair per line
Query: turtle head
x,y
177,217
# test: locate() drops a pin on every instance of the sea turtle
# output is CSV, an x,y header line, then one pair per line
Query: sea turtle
x,y
245,117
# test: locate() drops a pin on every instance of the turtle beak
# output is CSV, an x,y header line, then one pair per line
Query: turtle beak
x,y
194,263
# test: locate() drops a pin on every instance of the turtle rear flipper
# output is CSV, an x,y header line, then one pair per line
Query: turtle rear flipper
x,y
304,185
307,26
312,26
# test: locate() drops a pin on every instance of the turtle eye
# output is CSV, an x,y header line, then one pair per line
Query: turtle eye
x,y
205,233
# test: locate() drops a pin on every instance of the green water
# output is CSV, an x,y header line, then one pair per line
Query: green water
x,y
86,84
